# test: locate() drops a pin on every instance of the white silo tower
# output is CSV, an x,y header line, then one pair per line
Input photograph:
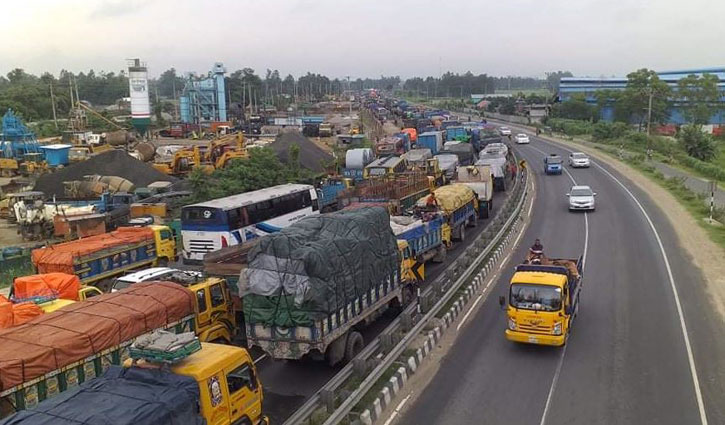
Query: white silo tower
x,y
139,92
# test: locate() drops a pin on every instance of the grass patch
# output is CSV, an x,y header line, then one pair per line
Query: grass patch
x,y
368,399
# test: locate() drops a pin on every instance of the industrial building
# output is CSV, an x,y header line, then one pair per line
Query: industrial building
x,y
204,98
588,86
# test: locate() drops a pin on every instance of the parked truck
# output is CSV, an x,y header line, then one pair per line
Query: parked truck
x,y
427,237
347,271
96,260
59,350
543,300
480,179
217,384
457,203
432,140
328,193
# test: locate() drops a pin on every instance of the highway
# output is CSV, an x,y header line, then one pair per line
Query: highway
x,y
287,384
627,361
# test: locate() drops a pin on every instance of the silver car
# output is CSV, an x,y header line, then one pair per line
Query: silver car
x,y
581,198
578,160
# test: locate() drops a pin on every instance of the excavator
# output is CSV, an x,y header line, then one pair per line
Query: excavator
x,y
218,154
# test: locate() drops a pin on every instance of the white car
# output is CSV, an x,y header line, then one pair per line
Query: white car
x,y
578,160
505,131
581,198
155,273
521,139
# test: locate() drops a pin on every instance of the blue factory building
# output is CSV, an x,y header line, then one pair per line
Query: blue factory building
x,y
204,98
588,86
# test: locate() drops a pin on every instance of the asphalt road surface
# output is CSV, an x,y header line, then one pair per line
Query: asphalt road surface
x,y
627,359
287,384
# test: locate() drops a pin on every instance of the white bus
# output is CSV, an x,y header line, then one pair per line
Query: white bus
x,y
209,226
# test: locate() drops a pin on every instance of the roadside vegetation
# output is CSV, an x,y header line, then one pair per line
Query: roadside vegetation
x,y
693,202
689,147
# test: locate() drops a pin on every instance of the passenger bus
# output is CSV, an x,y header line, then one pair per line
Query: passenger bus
x,y
209,226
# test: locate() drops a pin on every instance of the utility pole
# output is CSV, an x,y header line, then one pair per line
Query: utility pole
x,y
649,110
52,103
350,96
78,98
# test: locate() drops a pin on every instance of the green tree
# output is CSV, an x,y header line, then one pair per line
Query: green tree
x,y
699,98
169,83
554,78
262,169
634,102
696,143
576,108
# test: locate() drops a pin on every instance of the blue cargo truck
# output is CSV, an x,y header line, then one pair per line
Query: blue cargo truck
x,y
427,239
432,140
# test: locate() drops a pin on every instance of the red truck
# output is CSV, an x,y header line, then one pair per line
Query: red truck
x,y
179,130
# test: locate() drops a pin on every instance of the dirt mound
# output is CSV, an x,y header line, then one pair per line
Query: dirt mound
x,y
312,156
111,163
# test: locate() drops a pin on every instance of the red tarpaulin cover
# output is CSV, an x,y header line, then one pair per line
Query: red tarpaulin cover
x,y
62,285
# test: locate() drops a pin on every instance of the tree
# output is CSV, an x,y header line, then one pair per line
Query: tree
x,y
169,83
634,101
699,98
696,143
575,108
554,78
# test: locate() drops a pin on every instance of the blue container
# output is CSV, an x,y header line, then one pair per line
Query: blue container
x,y
56,155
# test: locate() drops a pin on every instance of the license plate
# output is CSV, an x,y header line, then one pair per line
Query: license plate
x,y
533,339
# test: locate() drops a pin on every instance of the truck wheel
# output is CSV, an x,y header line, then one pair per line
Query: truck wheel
x,y
473,220
335,352
354,345
461,233
440,256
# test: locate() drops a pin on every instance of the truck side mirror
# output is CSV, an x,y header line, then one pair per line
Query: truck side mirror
x,y
567,310
502,302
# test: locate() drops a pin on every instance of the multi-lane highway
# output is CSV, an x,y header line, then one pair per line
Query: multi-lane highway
x,y
647,346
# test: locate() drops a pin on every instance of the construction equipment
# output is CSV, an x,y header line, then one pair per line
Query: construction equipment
x,y
218,154
20,151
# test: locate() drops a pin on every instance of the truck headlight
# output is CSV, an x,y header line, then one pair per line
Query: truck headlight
x,y
512,324
557,328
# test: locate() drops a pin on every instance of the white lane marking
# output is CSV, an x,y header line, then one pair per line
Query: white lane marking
x,y
518,238
680,314
397,410
468,313
533,190
504,261
553,386
260,358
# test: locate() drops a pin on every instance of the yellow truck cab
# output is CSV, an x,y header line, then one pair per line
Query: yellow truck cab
x,y
83,294
230,391
229,388
543,301
215,319
165,244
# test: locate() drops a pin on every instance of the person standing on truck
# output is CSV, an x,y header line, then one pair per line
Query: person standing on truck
x,y
431,202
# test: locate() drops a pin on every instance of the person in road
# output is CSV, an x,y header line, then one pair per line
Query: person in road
x,y
537,247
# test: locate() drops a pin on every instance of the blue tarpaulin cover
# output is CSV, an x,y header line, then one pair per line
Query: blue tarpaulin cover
x,y
121,396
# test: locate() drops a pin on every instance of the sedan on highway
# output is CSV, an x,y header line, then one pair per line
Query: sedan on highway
x,y
505,131
578,160
521,138
581,198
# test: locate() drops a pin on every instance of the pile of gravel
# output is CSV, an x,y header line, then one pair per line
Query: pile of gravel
x,y
110,163
311,156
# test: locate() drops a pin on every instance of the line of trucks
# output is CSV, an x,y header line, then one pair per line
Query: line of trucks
x,y
306,290
321,316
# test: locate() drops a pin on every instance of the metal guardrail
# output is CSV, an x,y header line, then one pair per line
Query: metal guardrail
x,y
366,385
314,403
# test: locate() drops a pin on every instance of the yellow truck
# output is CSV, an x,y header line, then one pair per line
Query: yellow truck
x,y
216,384
543,301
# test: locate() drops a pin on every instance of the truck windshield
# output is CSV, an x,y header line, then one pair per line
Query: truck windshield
x,y
535,297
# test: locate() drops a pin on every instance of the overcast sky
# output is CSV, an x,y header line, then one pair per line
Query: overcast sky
x,y
364,37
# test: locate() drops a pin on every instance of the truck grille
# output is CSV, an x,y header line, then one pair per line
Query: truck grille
x,y
197,245
540,329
